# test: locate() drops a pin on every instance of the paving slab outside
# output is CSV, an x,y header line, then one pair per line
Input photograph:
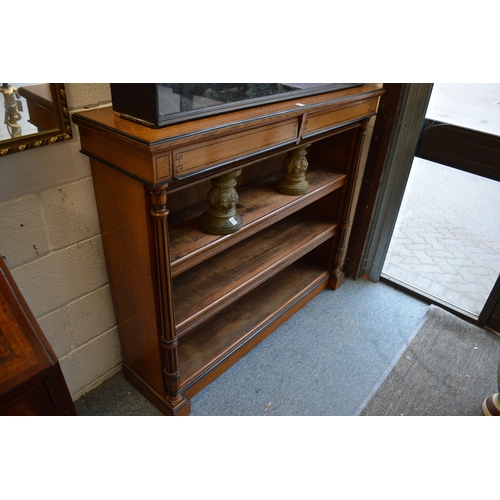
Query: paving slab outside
x,y
446,242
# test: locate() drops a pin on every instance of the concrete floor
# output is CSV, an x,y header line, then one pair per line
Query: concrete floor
x,y
446,243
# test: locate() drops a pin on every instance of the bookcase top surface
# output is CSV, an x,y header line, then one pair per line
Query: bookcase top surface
x,y
107,119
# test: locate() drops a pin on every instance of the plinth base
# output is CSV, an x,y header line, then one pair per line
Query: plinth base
x,y
218,225
292,188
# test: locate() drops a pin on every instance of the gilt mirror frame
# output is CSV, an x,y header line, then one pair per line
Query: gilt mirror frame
x,y
60,132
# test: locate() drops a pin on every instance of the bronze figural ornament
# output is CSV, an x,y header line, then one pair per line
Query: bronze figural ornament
x,y
221,216
294,180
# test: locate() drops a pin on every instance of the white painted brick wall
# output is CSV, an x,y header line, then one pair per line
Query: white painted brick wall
x,y
62,275
50,240
22,231
83,367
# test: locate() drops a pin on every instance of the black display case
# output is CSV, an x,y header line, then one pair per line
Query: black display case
x,y
161,104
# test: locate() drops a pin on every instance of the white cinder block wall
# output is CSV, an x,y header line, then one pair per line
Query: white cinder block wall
x,y
50,240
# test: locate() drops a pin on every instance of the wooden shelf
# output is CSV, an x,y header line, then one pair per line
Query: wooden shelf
x,y
204,348
214,284
260,205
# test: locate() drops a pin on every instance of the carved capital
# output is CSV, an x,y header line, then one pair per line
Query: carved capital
x,y
159,202
159,197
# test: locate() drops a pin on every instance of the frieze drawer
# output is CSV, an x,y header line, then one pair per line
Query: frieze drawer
x,y
327,120
224,150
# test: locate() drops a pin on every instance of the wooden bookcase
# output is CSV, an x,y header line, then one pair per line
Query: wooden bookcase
x,y
190,303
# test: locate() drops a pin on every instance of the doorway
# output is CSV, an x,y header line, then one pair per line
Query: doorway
x,y
446,240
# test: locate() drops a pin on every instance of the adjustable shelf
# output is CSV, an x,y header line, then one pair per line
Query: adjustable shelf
x,y
189,304
219,281
260,205
203,350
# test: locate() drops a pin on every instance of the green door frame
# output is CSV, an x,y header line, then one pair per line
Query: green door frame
x,y
401,151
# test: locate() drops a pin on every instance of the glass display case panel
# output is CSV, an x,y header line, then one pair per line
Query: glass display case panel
x,y
161,104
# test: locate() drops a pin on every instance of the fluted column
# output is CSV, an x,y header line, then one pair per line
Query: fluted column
x,y
168,336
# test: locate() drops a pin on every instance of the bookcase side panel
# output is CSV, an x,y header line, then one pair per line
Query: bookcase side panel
x,y
126,226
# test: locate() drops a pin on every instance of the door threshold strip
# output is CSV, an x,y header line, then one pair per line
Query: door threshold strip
x,y
430,297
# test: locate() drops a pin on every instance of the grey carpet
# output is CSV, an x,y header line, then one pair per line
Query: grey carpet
x,y
449,368
324,361
115,397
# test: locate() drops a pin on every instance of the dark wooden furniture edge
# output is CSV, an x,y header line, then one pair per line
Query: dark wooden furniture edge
x,y
37,387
